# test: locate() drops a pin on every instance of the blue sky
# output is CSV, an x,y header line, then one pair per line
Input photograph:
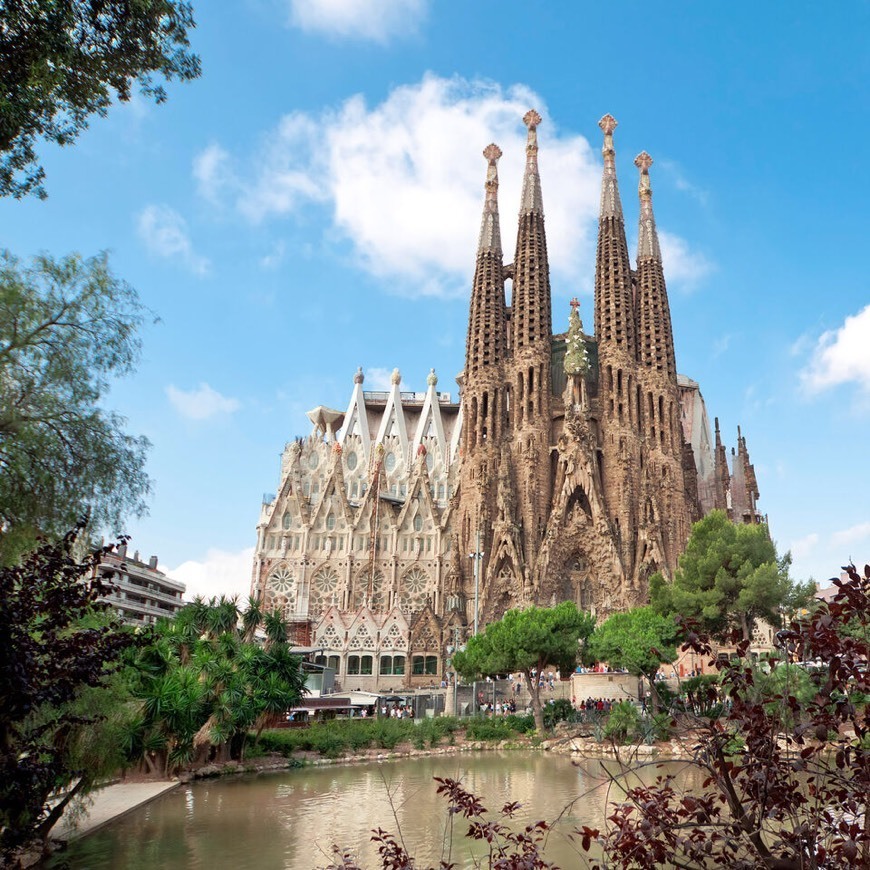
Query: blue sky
x,y
311,204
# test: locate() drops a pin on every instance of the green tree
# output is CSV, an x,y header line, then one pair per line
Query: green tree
x,y
528,641
67,328
203,683
638,641
62,61
729,577
57,661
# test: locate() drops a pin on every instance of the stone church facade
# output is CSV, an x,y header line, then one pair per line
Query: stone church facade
x,y
571,467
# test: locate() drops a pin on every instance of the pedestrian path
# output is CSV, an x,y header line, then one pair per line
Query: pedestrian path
x,y
108,804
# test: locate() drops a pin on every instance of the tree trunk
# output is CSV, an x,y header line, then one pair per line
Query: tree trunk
x,y
535,697
51,819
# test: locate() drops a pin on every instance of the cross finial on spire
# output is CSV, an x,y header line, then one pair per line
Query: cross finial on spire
x,y
574,303
608,124
643,162
492,153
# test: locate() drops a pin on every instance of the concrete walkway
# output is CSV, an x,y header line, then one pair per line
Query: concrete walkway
x,y
108,804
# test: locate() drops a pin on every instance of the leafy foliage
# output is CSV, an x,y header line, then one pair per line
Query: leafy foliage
x,y
54,655
201,686
786,780
64,60
529,641
729,577
638,641
67,328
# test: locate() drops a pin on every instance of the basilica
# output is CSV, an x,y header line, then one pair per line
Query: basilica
x,y
570,466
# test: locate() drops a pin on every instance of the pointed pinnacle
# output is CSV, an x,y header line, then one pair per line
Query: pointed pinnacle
x,y
531,119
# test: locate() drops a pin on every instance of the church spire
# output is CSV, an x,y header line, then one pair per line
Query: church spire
x,y
611,205
490,231
530,304
531,199
647,238
614,304
655,334
486,323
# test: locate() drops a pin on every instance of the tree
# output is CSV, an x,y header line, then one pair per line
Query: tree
x,y
62,61
67,328
638,641
53,655
203,683
729,576
529,641
784,781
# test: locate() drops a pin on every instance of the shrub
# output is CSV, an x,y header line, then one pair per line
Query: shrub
x,y
561,710
623,721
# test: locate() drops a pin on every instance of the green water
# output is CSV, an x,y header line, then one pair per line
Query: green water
x,y
291,820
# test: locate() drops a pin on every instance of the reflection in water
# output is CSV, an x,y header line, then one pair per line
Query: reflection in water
x,y
290,820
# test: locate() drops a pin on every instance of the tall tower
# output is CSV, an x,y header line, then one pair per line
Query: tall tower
x,y
619,457
484,406
528,373
660,398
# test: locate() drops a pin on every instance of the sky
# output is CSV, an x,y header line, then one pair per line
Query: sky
x,y
311,204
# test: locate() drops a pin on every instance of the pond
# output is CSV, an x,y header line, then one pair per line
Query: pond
x,y
291,820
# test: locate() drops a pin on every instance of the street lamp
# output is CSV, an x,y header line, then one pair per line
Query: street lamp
x,y
477,556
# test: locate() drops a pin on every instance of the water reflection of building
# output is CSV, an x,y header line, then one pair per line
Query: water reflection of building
x,y
573,464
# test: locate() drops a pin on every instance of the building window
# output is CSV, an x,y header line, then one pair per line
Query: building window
x,y
424,665
392,666
352,666
286,521
390,461
333,662
418,523
330,522
365,666
351,461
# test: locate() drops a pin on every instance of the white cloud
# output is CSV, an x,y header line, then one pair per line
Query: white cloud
x,y
404,183
841,356
201,403
376,20
821,555
802,548
682,265
220,573
211,171
853,535
378,379
164,232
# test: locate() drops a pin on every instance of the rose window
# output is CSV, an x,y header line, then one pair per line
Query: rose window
x,y
324,588
414,586
281,580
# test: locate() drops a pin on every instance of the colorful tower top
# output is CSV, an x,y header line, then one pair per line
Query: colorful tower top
x,y
532,200
648,238
576,355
